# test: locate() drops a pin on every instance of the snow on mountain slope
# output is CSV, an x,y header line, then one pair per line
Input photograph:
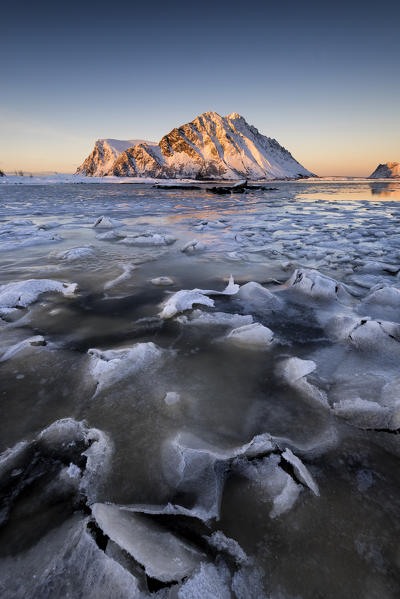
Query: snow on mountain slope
x,y
104,154
390,170
209,147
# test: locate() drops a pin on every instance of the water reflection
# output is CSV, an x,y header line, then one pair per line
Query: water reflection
x,y
386,190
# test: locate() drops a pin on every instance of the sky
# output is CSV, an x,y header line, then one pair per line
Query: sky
x,y
322,78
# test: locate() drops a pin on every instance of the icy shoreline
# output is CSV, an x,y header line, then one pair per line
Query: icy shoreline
x,y
81,179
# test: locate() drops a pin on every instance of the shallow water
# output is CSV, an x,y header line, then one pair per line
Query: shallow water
x,y
340,543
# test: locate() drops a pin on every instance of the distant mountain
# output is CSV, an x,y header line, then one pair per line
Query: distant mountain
x,y
209,147
104,154
390,170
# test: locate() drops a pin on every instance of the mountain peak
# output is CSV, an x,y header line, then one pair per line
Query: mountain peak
x,y
234,116
389,170
209,147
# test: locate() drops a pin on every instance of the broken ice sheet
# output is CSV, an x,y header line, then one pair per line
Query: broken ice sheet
x,y
163,555
185,299
110,366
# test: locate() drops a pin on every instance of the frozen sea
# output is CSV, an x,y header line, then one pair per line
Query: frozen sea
x,y
200,393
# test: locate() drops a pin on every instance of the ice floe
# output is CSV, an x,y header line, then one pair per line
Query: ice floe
x,y
258,297
127,270
147,239
185,299
105,222
162,554
193,246
294,372
172,398
20,294
223,319
301,471
78,253
162,281
251,336
110,366
313,284
29,343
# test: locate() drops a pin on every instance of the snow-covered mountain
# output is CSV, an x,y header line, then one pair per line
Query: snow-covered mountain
x,y
390,170
209,147
104,154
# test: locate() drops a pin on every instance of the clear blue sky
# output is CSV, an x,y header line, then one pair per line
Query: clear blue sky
x,y
322,78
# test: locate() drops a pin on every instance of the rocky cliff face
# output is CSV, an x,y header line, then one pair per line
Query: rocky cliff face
x,y
104,155
209,147
390,170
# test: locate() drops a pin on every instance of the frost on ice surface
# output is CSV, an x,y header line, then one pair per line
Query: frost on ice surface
x,y
294,372
301,471
185,299
366,334
163,555
210,582
223,543
197,469
193,246
67,562
111,235
317,286
293,369
23,293
22,239
251,336
64,442
104,222
258,297
172,398
110,366
200,317
147,239
382,302
30,343
271,481
78,253
365,414
127,270
162,281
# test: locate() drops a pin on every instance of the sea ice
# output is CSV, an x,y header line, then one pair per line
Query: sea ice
x,y
67,562
193,246
162,554
31,342
104,222
21,294
316,285
294,372
185,299
162,281
147,239
110,366
194,468
211,582
127,270
256,296
223,543
301,471
252,336
171,398
200,317
78,253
